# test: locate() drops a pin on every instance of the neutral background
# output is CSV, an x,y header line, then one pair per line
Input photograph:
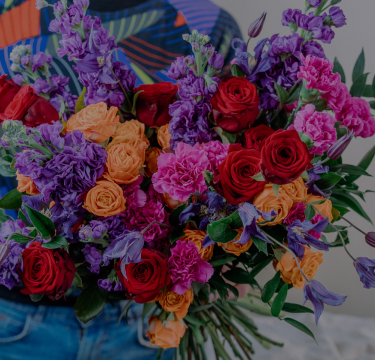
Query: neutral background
x,y
337,272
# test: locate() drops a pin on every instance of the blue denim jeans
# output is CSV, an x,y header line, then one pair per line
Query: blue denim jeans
x,y
50,332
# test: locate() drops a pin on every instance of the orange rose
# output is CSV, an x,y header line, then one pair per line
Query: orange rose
x,y
132,127
166,334
151,161
134,141
234,248
26,184
106,198
172,204
289,270
179,304
164,136
95,121
325,208
123,164
267,200
296,190
197,237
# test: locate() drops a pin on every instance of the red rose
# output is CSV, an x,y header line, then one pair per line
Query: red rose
x,y
32,109
284,157
46,271
145,279
153,103
235,105
235,175
254,137
8,90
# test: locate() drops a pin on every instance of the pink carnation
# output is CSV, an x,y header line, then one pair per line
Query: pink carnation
x,y
337,97
186,265
319,126
297,212
181,174
216,153
356,116
318,74
133,194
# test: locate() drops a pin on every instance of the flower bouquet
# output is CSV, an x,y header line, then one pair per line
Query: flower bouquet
x,y
177,195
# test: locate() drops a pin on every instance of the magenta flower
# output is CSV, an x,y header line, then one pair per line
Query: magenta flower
x,y
318,74
337,97
297,212
185,266
181,174
319,126
216,153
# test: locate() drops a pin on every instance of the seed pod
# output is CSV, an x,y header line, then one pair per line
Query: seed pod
x,y
256,27
370,239
337,149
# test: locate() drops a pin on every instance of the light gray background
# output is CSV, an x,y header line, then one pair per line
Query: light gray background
x,y
337,272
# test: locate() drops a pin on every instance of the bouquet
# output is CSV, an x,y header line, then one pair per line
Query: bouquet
x,y
177,195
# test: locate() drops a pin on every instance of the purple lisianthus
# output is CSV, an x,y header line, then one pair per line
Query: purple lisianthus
x,y
178,68
186,265
319,295
366,270
93,257
337,17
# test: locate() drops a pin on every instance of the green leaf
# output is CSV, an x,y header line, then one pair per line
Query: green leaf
x,y
223,231
258,177
238,276
359,67
342,210
346,200
77,281
281,93
300,326
218,284
147,309
296,308
259,267
233,289
368,91
12,200
56,242
22,217
236,71
79,103
6,171
359,85
231,137
276,189
373,87
279,301
328,180
176,234
174,218
4,217
223,261
337,68
294,96
260,244
349,169
43,223
21,239
372,104
364,164
338,242
135,99
270,288
90,303
36,297
309,212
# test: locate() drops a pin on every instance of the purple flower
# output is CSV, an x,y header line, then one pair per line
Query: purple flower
x,y
186,265
115,225
337,17
314,3
310,22
338,148
366,270
18,79
58,9
256,26
319,295
298,235
313,177
93,257
324,34
73,16
290,16
95,230
110,285
84,4
286,44
191,87
370,239
40,60
25,60
313,48
216,61
242,56
178,68
190,211
73,46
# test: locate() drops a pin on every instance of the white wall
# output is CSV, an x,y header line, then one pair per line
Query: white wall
x,y
337,272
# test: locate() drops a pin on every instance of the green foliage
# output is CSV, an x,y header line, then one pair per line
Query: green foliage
x,y
36,297
79,104
12,200
300,326
359,85
363,164
359,67
4,217
43,223
279,301
260,244
296,308
236,71
281,93
309,212
349,169
77,281
6,163
223,231
328,180
56,242
223,261
337,68
294,96
270,288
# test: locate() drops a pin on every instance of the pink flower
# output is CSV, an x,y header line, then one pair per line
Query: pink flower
x,y
181,174
356,116
216,153
318,74
185,266
319,126
315,220
337,97
133,194
297,212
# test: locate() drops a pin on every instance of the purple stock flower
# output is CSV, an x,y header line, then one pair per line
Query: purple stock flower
x,y
84,4
324,34
290,16
93,257
110,285
58,9
72,17
191,87
314,3
366,270
337,17
216,61
25,60
18,79
178,68
40,59
95,230
41,86
298,235
319,295
72,45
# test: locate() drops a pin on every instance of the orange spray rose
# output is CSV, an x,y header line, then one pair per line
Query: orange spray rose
x,y
164,136
132,127
151,161
234,248
26,184
197,237
296,190
134,141
179,304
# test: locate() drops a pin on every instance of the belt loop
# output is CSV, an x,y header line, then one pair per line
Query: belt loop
x,y
40,313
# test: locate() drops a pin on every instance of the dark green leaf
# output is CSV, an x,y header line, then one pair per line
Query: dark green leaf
x,y
281,93
368,91
328,180
218,284
372,104
236,71
296,308
124,311
21,239
338,241
174,217
346,200
309,212
36,297
233,289
147,309
77,281
364,164
43,223
12,200
259,267
176,234
270,288
135,99
238,276
56,242
279,301
293,97
4,217
192,320
260,244
359,67
349,169
342,210
79,103
300,326
337,68
359,85
223,261
231,137
373,87
90,303
223,231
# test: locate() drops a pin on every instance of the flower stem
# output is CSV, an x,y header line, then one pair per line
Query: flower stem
x,y
122,88
355,227
247,44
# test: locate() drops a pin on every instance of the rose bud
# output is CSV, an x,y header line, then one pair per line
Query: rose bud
x,y
8,90
4,252
370,239
256,27
337,149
